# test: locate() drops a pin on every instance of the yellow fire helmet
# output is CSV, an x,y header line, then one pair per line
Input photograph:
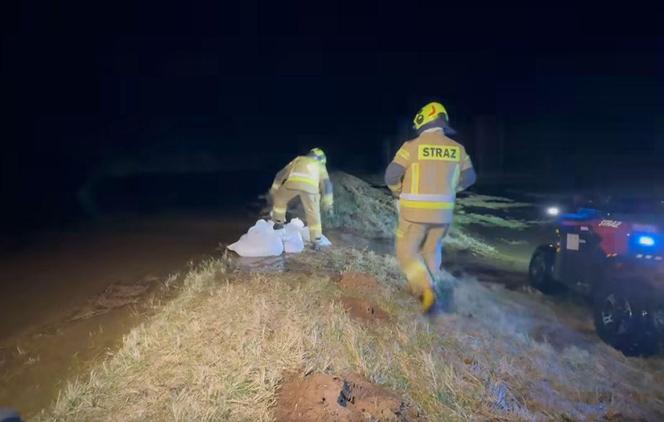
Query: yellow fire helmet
x,y
318,154
428,114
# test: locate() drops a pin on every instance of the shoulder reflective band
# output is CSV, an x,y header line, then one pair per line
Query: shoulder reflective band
x,y
403,154
415,178
427,205
298,174
438,152
395,187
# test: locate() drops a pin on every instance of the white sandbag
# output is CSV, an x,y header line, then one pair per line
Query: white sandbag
x,y
263,240
304,231
324,241
262,226
295,224
292,237
260,240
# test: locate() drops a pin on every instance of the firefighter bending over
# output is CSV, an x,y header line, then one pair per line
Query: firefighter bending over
x,y
305,177
425,174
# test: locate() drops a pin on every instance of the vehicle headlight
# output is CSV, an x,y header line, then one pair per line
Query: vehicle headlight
x,y
553,211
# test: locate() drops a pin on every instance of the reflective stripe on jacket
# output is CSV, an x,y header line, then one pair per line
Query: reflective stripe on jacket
x,y
306,174
432,166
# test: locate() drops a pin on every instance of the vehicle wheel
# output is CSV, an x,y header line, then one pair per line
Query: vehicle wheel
x,y
540,270
630,317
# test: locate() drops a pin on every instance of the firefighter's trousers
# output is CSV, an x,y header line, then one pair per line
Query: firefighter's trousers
x,y
310,202
419,252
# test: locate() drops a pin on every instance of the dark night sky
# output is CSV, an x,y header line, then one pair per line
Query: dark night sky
x,y
82,82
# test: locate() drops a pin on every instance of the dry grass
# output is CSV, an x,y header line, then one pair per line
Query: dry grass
x,y
371,212
220,350
361,208
222,347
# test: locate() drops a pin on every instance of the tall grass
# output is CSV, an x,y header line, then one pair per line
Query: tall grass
x,y
220,350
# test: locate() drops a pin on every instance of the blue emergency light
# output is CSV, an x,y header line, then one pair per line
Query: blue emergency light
x,y
645,240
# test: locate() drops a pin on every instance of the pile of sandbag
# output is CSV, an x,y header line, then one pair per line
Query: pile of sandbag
x,y
263,240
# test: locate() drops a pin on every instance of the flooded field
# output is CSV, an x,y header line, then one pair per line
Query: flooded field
x,y
69,296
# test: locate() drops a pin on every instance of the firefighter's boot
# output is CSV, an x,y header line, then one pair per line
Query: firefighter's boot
x,y
428,300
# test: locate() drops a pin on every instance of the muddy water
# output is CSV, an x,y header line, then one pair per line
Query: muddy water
x,y
56,317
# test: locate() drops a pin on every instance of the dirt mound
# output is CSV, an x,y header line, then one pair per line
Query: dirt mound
x,y
322,397
361,208
358,281
363,309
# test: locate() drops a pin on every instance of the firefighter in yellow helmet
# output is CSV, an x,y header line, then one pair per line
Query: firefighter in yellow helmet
x,y
425,174
305,177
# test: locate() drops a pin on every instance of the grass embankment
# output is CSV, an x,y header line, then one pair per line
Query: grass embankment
x,y
220,350
223,347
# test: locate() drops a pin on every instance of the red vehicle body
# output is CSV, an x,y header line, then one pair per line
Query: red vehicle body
x,y
616,259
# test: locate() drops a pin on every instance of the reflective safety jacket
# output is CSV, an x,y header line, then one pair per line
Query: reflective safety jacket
x,y
426,174
306,174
